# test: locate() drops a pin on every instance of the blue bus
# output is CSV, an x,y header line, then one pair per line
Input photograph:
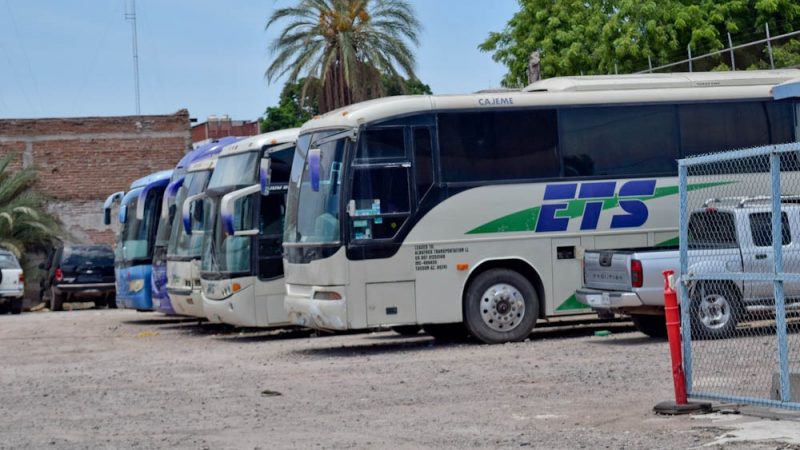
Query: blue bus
x,y
160,296
136,238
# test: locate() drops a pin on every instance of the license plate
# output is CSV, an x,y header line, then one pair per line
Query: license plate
x,y
599,300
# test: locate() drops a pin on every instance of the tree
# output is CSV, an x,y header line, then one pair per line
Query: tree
x,y
294,110
24,222
347,44
604,36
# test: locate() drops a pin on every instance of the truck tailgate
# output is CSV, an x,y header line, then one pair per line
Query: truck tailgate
x,y
607,270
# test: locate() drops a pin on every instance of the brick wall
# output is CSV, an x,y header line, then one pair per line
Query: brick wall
x,y
83,160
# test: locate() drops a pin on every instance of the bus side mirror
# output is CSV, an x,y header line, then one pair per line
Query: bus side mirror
x,y
107,216
313,167
113,198
187,215
265,175
123,213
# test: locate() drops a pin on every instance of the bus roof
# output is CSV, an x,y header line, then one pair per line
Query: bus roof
x,y
587,90
153,177
259,141
206,151
206,164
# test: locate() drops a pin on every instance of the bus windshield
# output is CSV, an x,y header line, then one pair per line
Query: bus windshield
x,y
223,254
135,234
317,222
235,171
180,243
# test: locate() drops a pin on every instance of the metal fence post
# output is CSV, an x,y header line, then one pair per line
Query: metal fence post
x,y
683,240
769,48
689,50
650,63
777,249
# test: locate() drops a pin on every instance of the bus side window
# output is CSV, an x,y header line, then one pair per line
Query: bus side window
x,y
381,190
423,160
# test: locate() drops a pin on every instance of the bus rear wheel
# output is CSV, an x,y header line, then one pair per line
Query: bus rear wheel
x,y
500,305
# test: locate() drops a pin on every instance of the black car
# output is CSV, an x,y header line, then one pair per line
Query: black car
x,y
80,273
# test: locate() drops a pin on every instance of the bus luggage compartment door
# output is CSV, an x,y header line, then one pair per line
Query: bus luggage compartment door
x,y
391,303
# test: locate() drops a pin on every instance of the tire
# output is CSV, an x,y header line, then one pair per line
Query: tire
x,y
500,306
407,330
715,311
653,326
5,307
447,332
16,305
56,301
112,301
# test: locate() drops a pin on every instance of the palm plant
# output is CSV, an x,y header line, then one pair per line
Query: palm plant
x,y
348,44
24,222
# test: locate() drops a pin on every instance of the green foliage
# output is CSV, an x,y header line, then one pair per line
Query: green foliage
x,y
347,44
293,109
24,222
601,36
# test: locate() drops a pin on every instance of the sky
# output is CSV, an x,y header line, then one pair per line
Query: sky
x,y
74,58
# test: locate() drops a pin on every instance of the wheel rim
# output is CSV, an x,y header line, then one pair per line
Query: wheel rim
x,y
502,307
714,311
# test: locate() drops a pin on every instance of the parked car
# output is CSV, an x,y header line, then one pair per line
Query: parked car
x,y
80,273
722,239
12,283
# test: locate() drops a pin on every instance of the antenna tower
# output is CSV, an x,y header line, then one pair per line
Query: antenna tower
x,y
131,16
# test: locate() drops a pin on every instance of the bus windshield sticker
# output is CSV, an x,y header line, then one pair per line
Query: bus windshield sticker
x,y
593,198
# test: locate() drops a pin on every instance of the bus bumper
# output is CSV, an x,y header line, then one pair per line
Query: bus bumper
x,y
238,309
187,302
305,311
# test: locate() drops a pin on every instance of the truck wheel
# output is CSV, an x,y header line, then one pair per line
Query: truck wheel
x,y
16,305
447,332
500,306
715,311
56,301
653,326
407,330
4,307
112,301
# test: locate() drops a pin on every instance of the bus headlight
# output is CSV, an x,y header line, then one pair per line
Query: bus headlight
x,y
136,285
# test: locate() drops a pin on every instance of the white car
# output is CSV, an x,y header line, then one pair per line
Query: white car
x,y
12,283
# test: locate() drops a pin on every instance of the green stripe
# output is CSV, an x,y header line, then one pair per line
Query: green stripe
x,y
570,304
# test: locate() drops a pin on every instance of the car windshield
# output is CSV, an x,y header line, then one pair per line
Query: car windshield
x,y
318,219
235,171
97,256
182,244
8,261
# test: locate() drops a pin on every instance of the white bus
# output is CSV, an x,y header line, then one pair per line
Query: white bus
x,y
471,212
185,250
241,271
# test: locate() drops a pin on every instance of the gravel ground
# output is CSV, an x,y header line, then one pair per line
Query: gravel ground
x,y
121,379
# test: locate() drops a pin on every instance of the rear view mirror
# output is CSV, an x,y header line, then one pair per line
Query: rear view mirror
x,y
314,156
265,175
227,209
113,198
186,212
123,213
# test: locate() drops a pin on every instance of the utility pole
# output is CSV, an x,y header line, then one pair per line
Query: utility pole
x,y
131,16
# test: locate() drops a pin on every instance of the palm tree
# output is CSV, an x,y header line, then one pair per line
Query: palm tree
x,y
348,44
24,222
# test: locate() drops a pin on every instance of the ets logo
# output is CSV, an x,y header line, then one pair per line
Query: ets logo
x,y
556,216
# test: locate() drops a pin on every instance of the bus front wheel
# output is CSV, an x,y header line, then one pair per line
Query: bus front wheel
x,y
501,305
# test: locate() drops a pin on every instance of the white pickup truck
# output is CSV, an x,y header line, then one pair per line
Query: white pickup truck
x,y
730,235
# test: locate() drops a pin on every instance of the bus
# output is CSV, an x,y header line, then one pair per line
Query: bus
x,y
243,209
161,298
468,214
185,250
133,254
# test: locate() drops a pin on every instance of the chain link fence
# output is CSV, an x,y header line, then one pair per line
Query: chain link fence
x,y
740,275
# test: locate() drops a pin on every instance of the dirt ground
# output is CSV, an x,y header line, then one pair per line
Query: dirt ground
x,y
122,379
